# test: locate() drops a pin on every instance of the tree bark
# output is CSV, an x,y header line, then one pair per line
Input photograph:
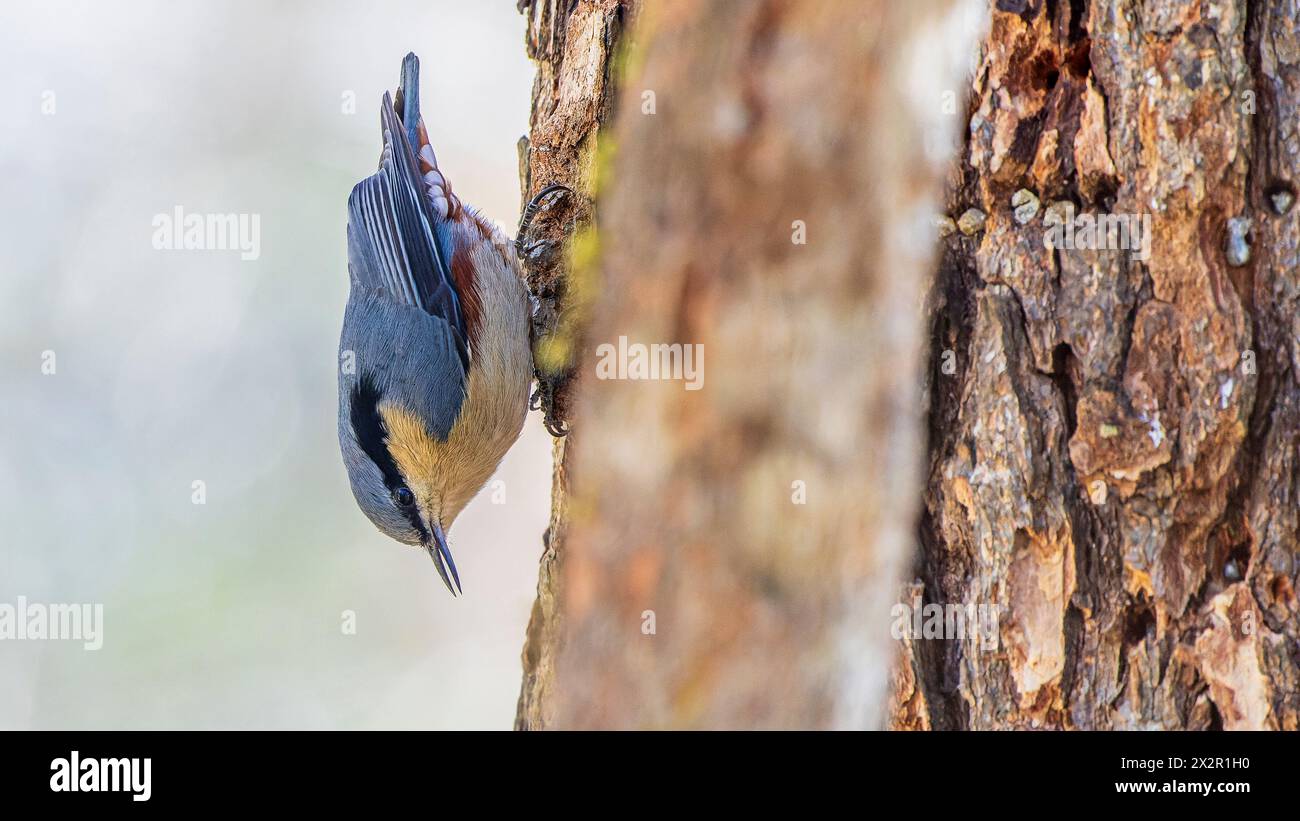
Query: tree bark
x,y
1112,439
574,45
732,552
1110,466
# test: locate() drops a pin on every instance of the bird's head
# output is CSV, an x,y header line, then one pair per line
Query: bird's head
x,y
402,474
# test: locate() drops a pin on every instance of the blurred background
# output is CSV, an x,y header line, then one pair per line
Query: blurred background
x,y
180,366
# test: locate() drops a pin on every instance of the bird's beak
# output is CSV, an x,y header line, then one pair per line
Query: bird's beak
x,y
441,556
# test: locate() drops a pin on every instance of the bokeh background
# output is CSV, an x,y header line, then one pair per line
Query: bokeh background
x,y
177,366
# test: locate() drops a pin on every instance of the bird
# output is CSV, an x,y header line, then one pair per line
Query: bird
x,y
435,343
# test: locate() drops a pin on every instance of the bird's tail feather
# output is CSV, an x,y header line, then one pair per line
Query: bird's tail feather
x,y
408,99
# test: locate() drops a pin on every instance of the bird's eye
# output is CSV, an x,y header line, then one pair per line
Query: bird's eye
x,y
404,497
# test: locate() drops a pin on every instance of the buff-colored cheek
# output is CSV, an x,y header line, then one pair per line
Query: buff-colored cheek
x,y
414,451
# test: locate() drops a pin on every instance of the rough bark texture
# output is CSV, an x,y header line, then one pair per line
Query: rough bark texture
x,y
733,551
1113,440
574,45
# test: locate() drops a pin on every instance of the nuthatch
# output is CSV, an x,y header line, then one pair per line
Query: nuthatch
x,y
437,323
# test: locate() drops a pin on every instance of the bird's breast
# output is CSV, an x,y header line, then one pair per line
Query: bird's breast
x,y
495,306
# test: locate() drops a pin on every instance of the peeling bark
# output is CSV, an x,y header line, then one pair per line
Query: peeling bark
x,y
1113,458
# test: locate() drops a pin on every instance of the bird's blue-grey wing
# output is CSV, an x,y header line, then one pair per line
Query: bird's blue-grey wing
x,y
404,326
391,244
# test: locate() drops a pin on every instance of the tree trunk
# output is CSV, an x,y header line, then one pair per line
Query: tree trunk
x,y
1111,474
1113,435
575,45
733,551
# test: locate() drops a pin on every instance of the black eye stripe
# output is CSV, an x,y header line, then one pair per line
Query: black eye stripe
x,y
370,431
372,436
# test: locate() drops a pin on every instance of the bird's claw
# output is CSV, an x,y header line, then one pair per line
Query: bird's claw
x,y
543,399
530,211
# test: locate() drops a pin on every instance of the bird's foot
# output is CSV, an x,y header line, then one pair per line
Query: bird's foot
x,y
544,400
546,197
